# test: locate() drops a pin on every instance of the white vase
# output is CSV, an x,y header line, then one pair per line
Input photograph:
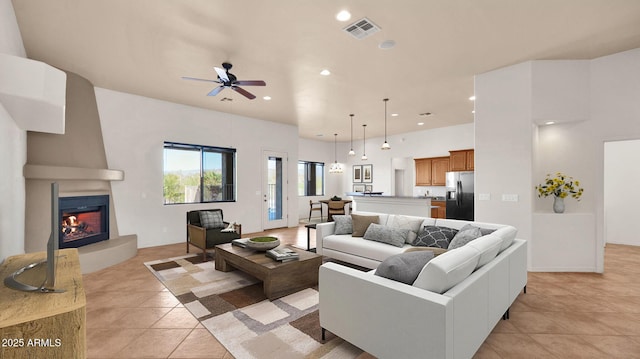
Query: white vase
x,y
558,204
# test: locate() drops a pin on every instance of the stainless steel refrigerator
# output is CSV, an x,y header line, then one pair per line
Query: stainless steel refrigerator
x,y
460,195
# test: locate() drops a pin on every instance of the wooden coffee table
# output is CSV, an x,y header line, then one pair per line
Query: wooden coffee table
x,y
278,278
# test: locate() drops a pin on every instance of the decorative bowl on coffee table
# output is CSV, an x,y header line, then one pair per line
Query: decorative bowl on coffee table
x,y
263,243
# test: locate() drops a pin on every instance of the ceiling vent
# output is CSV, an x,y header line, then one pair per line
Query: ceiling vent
x,y
362,28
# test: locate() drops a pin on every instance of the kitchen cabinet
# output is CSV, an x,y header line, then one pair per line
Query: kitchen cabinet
x,y
461,160
440,211
423,171
431,171
439,169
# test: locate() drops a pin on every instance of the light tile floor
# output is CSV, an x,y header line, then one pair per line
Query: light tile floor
x,y
130,314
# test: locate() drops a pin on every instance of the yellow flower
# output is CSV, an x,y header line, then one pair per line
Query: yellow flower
x,y
560,186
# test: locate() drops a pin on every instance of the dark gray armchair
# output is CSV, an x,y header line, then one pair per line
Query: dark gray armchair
x,y
200,236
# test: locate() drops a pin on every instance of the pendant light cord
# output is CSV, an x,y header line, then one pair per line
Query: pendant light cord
x,y
351,133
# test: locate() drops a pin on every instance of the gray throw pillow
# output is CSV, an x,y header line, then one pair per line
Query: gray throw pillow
x,y
211,219
393,236
404,267
464,236
483,231
344,225
435,236
406,222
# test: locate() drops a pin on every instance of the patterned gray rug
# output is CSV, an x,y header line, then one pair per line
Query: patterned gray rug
x,y
232,306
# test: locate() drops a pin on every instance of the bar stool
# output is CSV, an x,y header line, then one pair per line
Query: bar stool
x,y
312,207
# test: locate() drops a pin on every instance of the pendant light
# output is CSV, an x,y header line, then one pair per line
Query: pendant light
x,y
364,143
385,145
352,152
335,166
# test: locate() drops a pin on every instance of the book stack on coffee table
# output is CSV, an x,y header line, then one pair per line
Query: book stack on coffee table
x,y
282,254
240,242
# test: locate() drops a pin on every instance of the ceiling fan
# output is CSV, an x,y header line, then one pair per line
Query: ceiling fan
x,y
229,80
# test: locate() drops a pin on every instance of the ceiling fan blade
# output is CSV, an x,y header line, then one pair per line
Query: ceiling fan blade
x,y
251,83
243,92
215,91
222,73
197,79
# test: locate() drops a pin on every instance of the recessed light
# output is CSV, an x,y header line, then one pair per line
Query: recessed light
x,y
319,135
420,123
549,123
343,15
474,111
267,98
472,98
325,72
387,44
394,115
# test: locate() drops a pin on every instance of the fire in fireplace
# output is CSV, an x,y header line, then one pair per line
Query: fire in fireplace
x,y
85,220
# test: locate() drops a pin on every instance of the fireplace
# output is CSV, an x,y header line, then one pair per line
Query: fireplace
x,y
85,220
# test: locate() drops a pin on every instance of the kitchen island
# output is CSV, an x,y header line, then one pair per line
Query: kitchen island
x,y
410,206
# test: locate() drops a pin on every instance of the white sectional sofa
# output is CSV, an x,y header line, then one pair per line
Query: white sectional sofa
x,y
451,308
370,254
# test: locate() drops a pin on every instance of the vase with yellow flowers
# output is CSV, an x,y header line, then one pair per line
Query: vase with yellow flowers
x,y
560,187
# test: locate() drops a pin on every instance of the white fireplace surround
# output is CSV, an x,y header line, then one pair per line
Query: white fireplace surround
x,y
75,181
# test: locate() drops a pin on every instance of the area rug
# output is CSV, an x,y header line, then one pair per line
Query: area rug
x,y
233,307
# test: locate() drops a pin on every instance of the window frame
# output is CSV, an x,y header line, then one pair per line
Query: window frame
x,y
228,173
310,178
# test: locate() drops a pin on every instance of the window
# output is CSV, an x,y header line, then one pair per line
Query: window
x,y
310,178
198,174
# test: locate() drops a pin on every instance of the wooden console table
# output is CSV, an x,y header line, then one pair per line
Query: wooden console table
x,y
44,325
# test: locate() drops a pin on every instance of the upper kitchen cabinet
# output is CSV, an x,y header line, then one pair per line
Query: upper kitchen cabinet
x,y
461,160
439,169
431,171
423,171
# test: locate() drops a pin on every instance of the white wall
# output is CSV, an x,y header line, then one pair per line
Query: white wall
x,y
621,191
504,146
10,39
13,150
607,86
134,129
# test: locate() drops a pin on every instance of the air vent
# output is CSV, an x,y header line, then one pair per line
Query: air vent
x,y
362,28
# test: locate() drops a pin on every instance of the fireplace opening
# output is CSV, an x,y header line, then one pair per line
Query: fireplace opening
x,y
85,220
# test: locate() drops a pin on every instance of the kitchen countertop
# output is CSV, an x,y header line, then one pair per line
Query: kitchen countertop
x,y
405,205
360,194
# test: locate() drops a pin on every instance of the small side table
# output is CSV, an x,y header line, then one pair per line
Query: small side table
x,y
309,227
